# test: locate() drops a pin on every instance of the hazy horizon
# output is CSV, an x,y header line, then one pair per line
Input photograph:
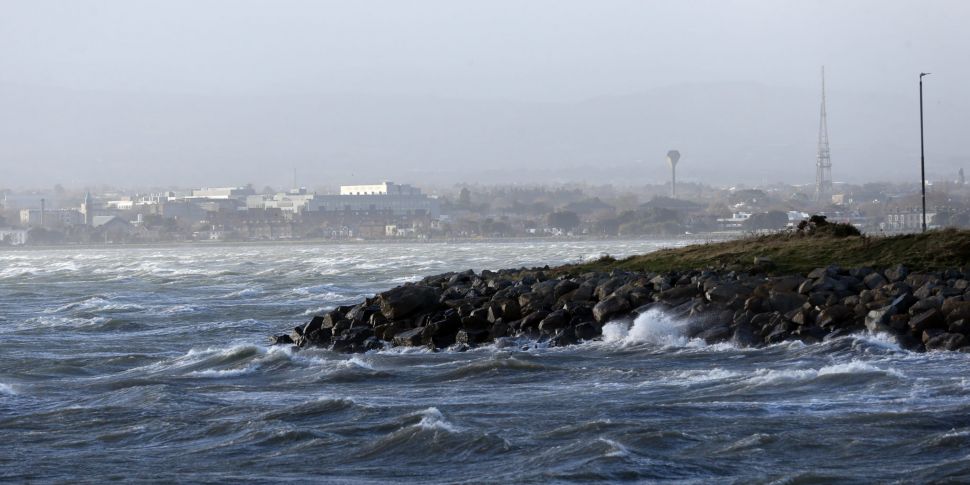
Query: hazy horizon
x,y
225,93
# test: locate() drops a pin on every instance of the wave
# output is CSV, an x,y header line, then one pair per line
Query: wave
x,y
310,409
7,390
497,364
652,327
97,304
244,293
427,435
83,324
243,360
748,443
764,377
950,439
432,419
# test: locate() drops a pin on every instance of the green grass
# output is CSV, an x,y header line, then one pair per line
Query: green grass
x,y
793,253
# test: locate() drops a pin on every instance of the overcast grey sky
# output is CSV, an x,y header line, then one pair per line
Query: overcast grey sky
x,y
158,65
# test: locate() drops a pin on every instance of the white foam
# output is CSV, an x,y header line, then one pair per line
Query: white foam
x,y
768,376
881,340
220,373
245,293
356,361
7,390
653,327
616,449
699,376
432,419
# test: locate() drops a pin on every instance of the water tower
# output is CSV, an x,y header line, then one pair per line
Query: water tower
x,y
673,156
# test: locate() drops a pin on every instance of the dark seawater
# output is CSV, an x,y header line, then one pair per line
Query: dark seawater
x,y
151,364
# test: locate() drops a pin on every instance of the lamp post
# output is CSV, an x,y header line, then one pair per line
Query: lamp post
x,y
922,154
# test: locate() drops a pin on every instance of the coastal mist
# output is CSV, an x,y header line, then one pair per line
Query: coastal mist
x,y
153,364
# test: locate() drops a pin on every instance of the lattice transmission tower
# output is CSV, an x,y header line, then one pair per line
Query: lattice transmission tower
x,y
823,162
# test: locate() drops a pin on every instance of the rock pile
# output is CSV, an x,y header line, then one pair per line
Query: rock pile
x,y
925,310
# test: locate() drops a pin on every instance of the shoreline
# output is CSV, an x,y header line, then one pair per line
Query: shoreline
x,y
922,310
750,304
709,237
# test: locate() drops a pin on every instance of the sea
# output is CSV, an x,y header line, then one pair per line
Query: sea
x,y
152,364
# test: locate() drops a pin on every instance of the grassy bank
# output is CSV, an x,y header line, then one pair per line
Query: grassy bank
x,y
799,253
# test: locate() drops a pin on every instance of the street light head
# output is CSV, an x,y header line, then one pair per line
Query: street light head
x,y
924,74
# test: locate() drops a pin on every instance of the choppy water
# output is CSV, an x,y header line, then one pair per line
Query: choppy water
x,y
150,364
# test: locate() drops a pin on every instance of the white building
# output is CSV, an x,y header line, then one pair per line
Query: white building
x,y
123,204
736,220
794,217
14,237
384,188
907,220
222,193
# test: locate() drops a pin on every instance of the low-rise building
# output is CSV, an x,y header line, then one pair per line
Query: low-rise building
x,y
49,218
907,220
222,193
383,188
736,221
14,237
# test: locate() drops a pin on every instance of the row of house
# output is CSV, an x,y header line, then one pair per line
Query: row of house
x,y
378,210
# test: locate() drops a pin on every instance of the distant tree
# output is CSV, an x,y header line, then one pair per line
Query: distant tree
x,y
464,197
564,220
607,226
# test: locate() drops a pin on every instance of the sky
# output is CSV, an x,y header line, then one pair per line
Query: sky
x,y
219,92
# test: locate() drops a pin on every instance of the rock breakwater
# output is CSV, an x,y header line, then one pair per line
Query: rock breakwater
x,y
926,310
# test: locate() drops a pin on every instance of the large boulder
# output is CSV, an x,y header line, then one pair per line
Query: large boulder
x,y
896,274
727,292
931,318
785,302
553,322
874,281
744,335
472,337
609,308
609,286
881,319
833,316
946,341
411,338
406,300
563,287
587,330
956,310
715,334
678,294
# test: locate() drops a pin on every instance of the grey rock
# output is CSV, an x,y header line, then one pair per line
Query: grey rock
x,y
406,300
411,338
946,341
609,308
875,281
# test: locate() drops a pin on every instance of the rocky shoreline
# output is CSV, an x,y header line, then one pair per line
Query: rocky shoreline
x,y
927,310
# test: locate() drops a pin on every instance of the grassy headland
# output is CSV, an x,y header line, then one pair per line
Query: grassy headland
x,y
795,252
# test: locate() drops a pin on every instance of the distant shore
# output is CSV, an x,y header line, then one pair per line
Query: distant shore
x,y
713,236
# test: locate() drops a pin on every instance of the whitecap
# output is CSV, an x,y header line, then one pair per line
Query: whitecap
x,y
652,327
432,419
768,376
616,450
699,376
244,293
7,390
